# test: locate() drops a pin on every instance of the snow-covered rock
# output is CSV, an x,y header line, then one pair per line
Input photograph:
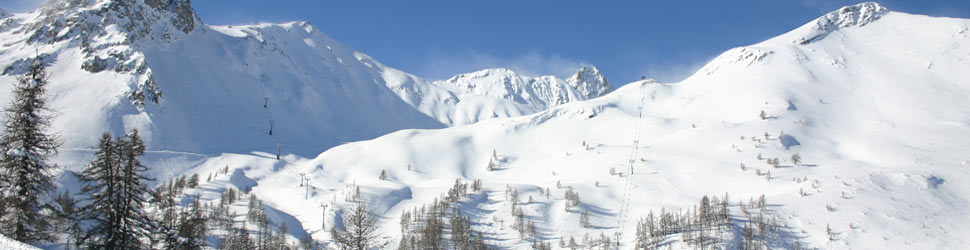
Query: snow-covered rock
x,y
590,82
849,16
495,93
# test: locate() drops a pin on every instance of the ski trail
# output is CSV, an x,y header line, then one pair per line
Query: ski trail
x,y
628,185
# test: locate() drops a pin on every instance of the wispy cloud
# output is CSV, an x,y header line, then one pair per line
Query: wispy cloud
x,y
441,66
670,72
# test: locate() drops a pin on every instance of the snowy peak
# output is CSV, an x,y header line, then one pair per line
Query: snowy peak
x,y
492,93
855,15
590,82
849,16
109,33
66,19
500,82
538,92
470,79
845,20
280,85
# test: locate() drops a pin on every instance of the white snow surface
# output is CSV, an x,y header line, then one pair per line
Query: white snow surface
x,y
11,244
110,59
876,107
877,112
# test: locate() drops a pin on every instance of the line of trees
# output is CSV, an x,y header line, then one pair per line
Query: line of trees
x,y
699,226
424,227
709,223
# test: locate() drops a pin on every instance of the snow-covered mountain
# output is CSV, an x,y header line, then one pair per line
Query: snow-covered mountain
x,y
492,93
873,101
191,87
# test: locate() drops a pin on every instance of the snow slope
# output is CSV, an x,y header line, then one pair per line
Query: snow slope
x,y
873,100
111,59
190,87
197,91
10,244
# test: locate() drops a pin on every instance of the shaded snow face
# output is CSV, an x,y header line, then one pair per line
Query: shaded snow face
x,y
152,65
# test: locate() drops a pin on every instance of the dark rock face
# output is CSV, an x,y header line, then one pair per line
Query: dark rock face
x,y
184,17
96,26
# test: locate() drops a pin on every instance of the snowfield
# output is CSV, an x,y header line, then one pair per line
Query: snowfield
x,y
875,103
10,244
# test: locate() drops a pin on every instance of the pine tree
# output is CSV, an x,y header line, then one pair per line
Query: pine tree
x,y
26,175
360,230
461,232
280,241
192,227
135,223
262,226
115,186
68,221
193,181
100,186
478,242
167,230
584,219
239,239
307,243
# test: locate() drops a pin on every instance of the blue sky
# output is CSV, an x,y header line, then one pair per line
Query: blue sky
x,y
435,39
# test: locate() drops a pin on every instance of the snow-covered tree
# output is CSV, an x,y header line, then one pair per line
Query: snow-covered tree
x,y
239,239
383,175
115,187
360,230
279,241
25,148
584,219
461,232
193,181
67,218
192,228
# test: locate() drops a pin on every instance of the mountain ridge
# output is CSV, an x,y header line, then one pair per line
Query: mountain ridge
x,y
875,113
151,61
